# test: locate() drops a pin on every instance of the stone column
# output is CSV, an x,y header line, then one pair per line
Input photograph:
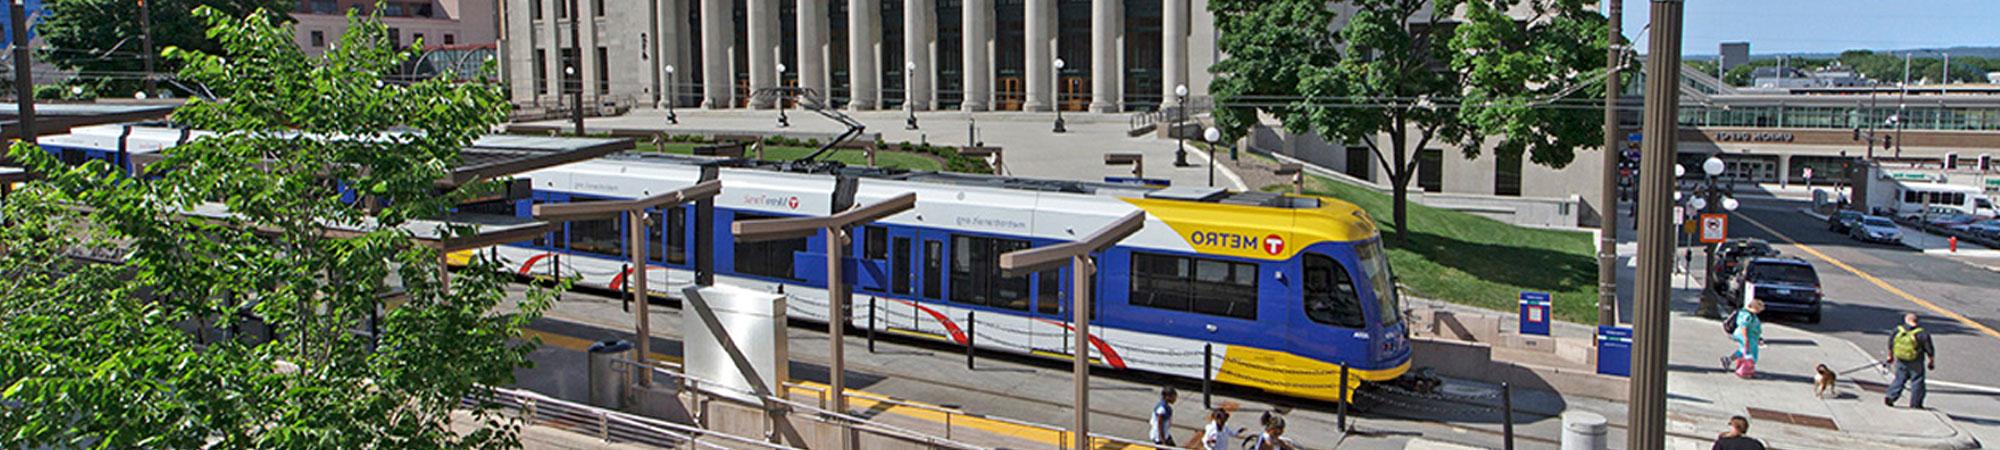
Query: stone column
x,y
978,68
919,21
1040,53
762,18
1173,50
587,54
1106,69
813,46
672,46
864,38
551,47
718,32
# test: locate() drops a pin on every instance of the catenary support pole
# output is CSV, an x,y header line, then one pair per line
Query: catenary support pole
x,y
1652,288
24,77
146,44
1607,229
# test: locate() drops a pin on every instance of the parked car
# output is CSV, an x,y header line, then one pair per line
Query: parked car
x,y
1989,229
1787,285
1877,229
1841,220
1953,221
1729,253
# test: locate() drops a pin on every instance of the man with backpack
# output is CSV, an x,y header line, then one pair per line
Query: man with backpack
x,y
1910,356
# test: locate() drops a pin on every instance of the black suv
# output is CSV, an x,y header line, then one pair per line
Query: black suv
x,y
1842,220
1731,253
1787,285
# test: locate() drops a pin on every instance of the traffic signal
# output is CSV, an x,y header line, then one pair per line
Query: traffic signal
x,y
1857,134
1985,162
1888,141
1951,161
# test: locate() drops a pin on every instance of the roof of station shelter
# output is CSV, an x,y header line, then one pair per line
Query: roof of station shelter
x,y
57,118
473,230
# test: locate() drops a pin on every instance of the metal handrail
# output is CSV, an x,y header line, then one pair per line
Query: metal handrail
x,y
693,383
535,404
678,371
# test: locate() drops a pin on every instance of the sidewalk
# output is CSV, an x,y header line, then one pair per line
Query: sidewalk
x,y
1031,149
1701,394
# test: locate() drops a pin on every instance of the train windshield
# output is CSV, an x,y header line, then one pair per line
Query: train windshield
x,y
1330,296
1375,263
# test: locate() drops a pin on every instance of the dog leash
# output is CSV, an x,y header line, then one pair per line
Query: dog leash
x,y
1864,366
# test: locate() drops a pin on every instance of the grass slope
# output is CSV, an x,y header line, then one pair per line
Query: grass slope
x,y
1472,260
852,157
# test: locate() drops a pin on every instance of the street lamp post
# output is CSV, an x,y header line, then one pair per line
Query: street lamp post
x,y
783,121
672,119
909,101
1211,135
1057,80
1180,149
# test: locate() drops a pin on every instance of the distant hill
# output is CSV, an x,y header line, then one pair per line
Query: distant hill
x,y
1979,51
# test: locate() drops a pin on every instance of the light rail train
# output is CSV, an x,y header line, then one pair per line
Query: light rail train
x,y
1277,290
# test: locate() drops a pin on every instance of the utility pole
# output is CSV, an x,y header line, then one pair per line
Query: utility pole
x,y
576,47
1902,104
1607,241
146,42
1653,288
24,78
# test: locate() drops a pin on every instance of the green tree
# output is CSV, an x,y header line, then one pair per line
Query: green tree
x,y
1395,81
100,39
145,354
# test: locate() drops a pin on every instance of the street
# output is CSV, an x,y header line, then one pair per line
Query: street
x,y
1945,292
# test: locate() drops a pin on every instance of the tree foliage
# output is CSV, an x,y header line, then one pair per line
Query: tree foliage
x,y
1396,80
155,352
100,39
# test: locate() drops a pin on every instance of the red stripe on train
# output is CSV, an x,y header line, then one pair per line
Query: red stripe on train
x,y
1110,355
950,327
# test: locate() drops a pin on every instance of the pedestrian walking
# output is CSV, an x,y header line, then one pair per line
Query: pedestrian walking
x,y
1217,434
1747,330
1910,356
1163,417
1273,437
1737,438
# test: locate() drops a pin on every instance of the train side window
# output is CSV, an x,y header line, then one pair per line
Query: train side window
x,y
676,229
975,273
768,258
1330,295
875,243
933,268
899,270
1198,285
599,237
1048,291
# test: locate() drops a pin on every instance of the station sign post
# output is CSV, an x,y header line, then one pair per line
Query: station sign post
x,y
1535,313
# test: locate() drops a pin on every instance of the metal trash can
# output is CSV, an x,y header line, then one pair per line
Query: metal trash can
x,y
607,380
1584,431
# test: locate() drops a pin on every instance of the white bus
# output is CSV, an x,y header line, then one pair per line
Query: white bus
x,y
1914,201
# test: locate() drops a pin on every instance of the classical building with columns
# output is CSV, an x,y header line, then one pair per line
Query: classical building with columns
x,y
973,55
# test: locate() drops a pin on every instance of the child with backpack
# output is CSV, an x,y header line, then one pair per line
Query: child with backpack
x,y
1747,330
1910,356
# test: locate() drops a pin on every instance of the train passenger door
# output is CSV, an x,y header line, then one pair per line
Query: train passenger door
x,y
903,258
1047,315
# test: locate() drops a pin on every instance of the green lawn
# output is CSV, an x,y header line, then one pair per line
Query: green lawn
x,y
852,157
1472,260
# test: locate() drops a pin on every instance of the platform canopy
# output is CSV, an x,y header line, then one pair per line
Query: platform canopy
x,y
58,118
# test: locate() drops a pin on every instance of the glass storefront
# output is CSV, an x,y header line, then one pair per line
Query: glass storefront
x,y
1914,118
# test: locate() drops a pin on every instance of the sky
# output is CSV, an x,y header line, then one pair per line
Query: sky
x,y
1827,26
